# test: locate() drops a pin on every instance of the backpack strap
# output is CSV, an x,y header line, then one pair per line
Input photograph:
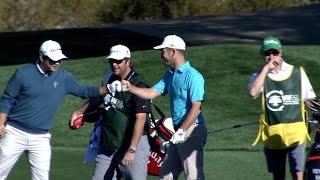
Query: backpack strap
x,y
107,76
162,116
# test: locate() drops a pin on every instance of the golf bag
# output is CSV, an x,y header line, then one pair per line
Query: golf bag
x,y
313,160
160,132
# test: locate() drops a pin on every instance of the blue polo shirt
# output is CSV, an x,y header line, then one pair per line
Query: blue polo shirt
x,y
31,98
185,85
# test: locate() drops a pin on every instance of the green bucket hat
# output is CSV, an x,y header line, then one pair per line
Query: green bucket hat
x,y
270,42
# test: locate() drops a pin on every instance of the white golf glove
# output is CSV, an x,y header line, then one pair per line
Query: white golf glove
x,y
115,86
107,99
112,101
178,137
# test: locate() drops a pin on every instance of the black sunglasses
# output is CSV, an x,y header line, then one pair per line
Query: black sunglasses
x,y
111,61
272,51
54,62
50,60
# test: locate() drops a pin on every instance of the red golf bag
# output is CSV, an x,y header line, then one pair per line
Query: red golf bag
x,y
160,132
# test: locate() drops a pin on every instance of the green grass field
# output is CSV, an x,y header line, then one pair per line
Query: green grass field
x,y
226,68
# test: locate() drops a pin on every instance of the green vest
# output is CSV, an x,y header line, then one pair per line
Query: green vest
x,y
282,122
283,99
116,120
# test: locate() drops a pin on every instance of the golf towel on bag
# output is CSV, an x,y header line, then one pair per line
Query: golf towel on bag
x,y
94,144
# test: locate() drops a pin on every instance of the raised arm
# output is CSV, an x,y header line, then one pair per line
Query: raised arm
x,y
255,87
144,93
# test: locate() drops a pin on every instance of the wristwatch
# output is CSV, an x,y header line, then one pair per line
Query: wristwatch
x,y
131,150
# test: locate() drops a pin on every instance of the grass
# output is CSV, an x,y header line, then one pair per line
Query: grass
x,y
226,69
67,165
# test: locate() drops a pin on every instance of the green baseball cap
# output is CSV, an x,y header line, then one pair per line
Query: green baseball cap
x,y
270,42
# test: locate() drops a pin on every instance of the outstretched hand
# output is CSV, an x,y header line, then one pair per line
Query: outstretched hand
x,y
125,85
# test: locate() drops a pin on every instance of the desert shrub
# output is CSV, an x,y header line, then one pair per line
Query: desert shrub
x,y
116,11
254,5
132,10
18,15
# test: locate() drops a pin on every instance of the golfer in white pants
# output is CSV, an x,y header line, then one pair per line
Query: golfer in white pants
x,y
36,146
28,105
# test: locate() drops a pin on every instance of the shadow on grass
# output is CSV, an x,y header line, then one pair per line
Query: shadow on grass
x,y
23,47
294,26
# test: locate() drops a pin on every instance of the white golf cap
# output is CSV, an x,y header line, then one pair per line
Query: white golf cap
x,y
52,49
119,52
172,41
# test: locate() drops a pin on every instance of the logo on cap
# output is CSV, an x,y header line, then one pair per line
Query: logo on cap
x,y
172,41
52,49
271,41
119,52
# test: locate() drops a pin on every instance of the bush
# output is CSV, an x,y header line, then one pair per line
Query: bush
x,y
254,5
117,11
17,15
